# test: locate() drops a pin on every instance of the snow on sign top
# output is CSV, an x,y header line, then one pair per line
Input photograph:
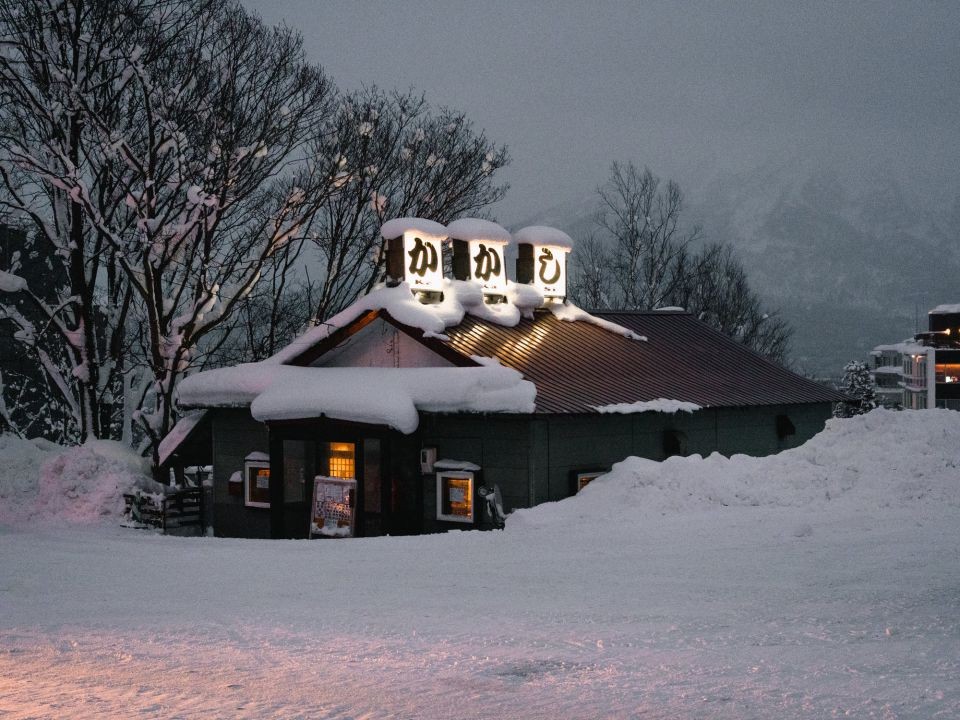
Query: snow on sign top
x,y
945,310
398,226
543,235
477,229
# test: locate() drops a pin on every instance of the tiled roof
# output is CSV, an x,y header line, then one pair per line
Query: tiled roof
x,y
577,366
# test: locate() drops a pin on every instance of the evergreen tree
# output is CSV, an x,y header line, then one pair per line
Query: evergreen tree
x,y
857,384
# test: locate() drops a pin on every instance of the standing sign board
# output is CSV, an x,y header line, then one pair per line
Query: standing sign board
x,y
333,511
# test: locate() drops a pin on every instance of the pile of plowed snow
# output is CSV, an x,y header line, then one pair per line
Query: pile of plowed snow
x,y
883,459
42,482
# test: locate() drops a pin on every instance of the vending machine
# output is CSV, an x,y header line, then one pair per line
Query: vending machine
x,y
334,507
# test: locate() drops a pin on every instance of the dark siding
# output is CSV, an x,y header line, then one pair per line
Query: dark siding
x,y
498,444
235,435
531,458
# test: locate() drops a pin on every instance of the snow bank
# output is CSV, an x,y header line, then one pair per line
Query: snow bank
x,y
40,482
882,459
663,405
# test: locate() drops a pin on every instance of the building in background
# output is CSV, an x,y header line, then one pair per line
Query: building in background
x,y
923,372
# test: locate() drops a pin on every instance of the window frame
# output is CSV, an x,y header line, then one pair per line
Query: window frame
x,y
470,477
249,465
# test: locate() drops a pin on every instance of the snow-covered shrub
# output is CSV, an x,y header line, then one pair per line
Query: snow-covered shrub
x,y
859,385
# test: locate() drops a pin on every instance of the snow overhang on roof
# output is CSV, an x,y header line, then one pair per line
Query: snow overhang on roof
x,y
391,397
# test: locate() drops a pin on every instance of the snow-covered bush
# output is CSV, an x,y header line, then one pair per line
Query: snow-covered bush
x,y
858,384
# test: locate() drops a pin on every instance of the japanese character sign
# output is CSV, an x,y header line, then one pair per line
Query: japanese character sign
x,y
550,270
487,266
422,261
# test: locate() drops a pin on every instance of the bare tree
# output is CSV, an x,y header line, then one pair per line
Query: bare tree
x,y
645,257
591,280
713,285
185,139
643,220
393,157
269,318
71,320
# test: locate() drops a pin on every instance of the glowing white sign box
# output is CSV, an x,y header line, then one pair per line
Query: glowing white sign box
x,y
423,261
487,265
550,270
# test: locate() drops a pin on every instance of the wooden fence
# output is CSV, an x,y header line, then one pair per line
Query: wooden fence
x,y
178,512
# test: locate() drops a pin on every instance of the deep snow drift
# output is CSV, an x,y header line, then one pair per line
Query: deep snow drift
x,y
823,582
43,483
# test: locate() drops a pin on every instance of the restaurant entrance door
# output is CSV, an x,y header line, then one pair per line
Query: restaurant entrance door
x,y
350,495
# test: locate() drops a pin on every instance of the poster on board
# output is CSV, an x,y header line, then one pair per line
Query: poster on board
x,y
333,510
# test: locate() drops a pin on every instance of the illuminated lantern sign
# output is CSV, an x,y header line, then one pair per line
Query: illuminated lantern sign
x,y
478,253
542,260
415,253
487,266
423,261
550,271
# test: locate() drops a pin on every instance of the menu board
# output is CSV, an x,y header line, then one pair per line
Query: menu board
x,y
333,511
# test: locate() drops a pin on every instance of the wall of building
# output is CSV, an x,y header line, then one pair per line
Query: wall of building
x,y
532,459
499,444
535,459
235,435
381,344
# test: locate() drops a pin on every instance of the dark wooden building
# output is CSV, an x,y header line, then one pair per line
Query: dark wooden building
x,y
298,445
748,405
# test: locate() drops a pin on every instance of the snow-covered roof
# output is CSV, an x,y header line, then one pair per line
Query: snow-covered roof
x,y
398,226
907,347
379,396
945,310
663,405
460,298
477,229
889,370
543,235
180,432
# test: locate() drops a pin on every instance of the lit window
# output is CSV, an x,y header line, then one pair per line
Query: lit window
x,y
341,460
455,496
585,478
257,484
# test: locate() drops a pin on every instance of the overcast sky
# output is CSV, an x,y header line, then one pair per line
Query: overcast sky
x,y
690,89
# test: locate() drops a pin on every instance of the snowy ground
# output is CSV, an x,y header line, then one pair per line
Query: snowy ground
x,y
700,588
